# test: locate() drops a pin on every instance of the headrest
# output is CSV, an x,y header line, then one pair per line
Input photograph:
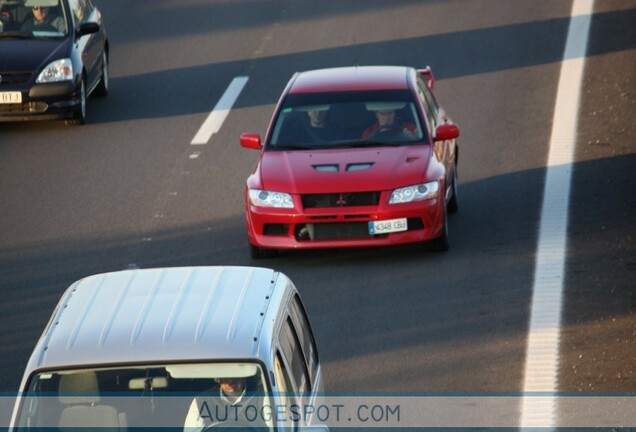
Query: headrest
x,y
81,385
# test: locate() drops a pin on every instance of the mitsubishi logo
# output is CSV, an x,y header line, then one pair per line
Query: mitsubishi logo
x,y
342,201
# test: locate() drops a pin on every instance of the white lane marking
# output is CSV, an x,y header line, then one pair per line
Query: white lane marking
x,y
542,355
215,120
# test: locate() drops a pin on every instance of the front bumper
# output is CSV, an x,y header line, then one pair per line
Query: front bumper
x,y
42,102
337,227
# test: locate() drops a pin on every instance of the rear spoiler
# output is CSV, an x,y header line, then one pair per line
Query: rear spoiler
x,y
427,76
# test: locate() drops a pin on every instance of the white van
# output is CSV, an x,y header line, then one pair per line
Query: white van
x,y
149,348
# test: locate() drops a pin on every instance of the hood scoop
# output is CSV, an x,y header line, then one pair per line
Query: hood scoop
x,y
326,168
359,166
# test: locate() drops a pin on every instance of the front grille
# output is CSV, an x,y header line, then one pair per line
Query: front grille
x,y
12,78
344,230
24,108
334,231
354,199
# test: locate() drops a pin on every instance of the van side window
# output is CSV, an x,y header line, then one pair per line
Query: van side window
x,y
285,389
293,353
307,341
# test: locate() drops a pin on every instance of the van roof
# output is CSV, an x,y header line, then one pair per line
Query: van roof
x,y
166,314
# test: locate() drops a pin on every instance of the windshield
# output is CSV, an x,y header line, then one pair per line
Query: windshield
x,y
171,395
26,19
347,119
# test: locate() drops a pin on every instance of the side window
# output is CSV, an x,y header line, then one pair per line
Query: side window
x,y
307,341
292,351
285,389
81,10
429,103
88,8
430,98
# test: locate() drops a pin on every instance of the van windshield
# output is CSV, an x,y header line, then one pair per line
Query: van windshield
x,y
179,396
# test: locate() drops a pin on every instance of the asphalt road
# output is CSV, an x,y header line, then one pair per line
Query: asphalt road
x,y
129,188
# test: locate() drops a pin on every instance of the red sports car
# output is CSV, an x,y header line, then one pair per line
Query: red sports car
x,y
353,157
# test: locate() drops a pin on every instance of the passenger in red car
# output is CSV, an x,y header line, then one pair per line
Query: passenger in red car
x,y
386,124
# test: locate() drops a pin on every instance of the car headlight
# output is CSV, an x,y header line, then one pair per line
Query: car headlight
x,y
263,198
59,70
419,192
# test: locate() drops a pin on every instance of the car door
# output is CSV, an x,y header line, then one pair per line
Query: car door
x,y
89,46
436,116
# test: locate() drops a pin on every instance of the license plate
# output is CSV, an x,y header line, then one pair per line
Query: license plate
x,y
10,97
387,226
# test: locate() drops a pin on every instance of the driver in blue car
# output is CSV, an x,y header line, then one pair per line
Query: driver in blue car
x,y
386,124
43,19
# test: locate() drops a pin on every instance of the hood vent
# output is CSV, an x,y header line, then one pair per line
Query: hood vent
x,y
359,166
326,168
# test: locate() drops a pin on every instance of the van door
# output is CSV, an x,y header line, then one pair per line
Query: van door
x,y
285,396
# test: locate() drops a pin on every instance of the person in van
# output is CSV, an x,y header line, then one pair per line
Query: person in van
x,y
234,403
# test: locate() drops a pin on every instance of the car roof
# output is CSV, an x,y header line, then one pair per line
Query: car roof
x,y
166,314
354,78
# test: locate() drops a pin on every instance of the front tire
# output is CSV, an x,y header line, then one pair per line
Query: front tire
x,y
104,84
453,204
441,244
79,117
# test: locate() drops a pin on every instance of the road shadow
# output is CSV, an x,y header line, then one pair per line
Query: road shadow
x,y
449,315
452,55
192,90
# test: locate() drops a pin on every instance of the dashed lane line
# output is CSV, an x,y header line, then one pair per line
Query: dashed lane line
x,y
215,119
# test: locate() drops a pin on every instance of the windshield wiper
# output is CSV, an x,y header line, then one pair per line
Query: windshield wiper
x,y
292,147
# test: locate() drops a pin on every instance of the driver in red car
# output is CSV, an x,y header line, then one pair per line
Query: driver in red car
x,y
386,124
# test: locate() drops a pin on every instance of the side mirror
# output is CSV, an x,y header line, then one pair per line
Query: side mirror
x,y
251,141
446,132
86,28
